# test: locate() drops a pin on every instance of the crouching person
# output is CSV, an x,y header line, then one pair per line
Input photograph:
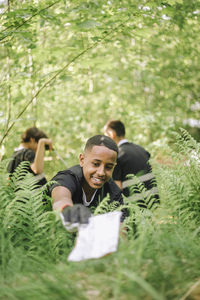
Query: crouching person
x,y
83,186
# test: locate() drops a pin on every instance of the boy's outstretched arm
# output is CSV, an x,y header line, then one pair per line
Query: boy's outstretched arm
x,y
70,214
61,197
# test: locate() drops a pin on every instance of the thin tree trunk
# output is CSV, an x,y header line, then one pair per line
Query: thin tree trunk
x,y
8,100
33,92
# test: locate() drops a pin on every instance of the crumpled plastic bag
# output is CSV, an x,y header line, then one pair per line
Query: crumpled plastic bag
x,y
98,238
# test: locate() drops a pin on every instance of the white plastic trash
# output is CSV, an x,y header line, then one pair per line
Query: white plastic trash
x,y
98,238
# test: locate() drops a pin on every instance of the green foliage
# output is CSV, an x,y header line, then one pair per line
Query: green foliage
x,y
179,184
27,227
67,67
160,262
134,61
105,206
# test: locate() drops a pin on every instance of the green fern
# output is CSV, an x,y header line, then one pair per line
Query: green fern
x,y
149,201
179,184
162,262
26,224
105,206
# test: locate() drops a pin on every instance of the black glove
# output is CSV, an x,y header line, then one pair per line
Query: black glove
x,y
72,216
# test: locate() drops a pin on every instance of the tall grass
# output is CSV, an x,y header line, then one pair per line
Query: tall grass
x,y
161,263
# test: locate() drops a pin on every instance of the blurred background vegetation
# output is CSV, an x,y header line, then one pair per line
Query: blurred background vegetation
x,y
69,66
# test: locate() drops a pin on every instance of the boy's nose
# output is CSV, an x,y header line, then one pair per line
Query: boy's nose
x,y
101,171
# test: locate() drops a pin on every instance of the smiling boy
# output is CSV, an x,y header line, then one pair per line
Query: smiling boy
x,y
85,185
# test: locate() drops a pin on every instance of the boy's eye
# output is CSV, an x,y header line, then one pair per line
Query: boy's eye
x,y
109,168
95,164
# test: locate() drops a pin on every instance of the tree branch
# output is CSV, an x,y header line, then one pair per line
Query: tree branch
x,y
26,21
58,73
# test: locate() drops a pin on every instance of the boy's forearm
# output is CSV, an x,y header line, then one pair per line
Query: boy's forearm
x,y
61,198
38,163
61,203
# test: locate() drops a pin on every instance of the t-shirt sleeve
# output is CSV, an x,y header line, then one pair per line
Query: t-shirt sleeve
x,y
64,179
29,155
20,156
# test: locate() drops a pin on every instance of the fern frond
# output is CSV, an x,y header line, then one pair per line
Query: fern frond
x,y
179,185
103,206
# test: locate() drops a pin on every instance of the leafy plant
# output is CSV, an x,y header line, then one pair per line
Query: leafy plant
x,y
179,182
160,262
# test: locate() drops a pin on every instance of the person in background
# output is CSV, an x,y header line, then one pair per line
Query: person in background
x,y
32,148
132,158
84,186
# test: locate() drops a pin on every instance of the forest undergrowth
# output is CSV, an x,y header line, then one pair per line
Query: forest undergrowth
x,y
161,262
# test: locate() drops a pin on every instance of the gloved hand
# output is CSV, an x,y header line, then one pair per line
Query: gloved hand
x,y
73,216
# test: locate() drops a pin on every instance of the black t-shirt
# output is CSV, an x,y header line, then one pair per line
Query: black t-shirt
x,y
132,159
21,155
73,178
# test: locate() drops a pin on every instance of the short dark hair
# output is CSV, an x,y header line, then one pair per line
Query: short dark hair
x,y
117,126
101,140
32,132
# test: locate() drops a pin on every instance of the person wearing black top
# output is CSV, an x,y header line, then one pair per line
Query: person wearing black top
x,y
132,158
32,148
84,186
73,179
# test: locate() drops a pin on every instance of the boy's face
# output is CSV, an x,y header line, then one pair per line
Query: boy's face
x,y
98,164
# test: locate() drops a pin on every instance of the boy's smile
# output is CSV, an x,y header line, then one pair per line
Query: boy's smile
x,y
98,164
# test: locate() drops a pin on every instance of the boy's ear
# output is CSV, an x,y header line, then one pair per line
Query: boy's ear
x,y
81,159
111,134
32,139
